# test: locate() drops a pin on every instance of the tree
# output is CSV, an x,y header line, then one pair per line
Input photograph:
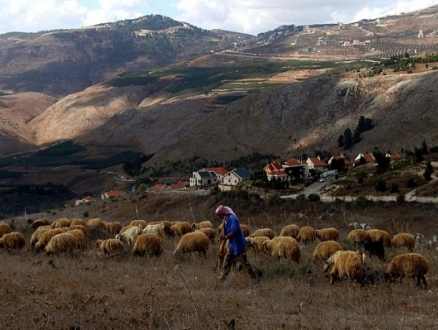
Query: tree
x,y
348,139
341,141
382,161
361,124
427,175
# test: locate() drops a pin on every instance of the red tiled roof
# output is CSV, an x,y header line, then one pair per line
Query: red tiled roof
x,y
218,170
115,193
178,185
159,187
394,156
294,162
317,162
89,198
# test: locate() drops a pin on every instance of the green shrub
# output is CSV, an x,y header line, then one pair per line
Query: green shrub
x,y
361,201
314,197
401,198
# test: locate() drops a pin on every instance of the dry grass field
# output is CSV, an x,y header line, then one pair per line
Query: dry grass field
x,y
91,291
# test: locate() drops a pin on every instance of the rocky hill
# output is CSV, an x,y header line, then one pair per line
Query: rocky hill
x,y
268,94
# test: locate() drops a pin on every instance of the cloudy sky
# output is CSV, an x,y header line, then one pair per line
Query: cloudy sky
x,y
248,16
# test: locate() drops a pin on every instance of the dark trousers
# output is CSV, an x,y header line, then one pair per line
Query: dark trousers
x,y
230,259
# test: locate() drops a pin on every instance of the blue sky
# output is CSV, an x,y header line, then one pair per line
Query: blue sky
x,y
248,16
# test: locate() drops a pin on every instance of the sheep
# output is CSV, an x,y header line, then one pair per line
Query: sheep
x,y
256,243
290,230
210,232
4,229
306,234
47,236
157,228
283,247
81,239
38,233
358,236
110,246
61,223
130,235
64,242
202,224
325,249
408,265
195,241
113,228
404,239
180,228
12,240
141,223
40,222
81,228
95,224
263,232
167,225
375,248
148,243
245,230
380,235
348,264
76,222
364,226
220,256
327,234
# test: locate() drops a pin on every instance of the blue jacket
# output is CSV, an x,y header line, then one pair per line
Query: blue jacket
x,y
237,242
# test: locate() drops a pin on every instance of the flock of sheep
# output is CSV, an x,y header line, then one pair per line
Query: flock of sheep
x,y
146,239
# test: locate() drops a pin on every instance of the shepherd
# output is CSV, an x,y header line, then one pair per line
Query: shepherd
x,y
236,243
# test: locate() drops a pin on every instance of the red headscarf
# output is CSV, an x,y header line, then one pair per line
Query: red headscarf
x,y
222,209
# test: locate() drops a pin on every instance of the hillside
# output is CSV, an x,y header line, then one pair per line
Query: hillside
x,y
216,107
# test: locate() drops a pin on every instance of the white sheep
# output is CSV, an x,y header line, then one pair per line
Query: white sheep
x,y
130,235
283,247
195,241
157,229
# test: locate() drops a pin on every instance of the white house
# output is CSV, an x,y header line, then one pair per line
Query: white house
x,y
203,178
236,176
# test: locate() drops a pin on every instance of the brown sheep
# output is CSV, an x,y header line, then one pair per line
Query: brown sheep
x,y
81,239
180,228
404,239
123,229
95,224
130,235
40,222
210,232
348,264
47,236
202,224
141,223
4,229
110,246
81,228
78,222
283,247
256,243
358,236
325,249
380,235
263,232
195,241
408,265
37,234
327,234
12,240
64,242
167,225
291,230
113,228
148,243
61,223
306,234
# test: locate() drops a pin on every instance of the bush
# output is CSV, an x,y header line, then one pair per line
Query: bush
x,y
85,214
411,183
361,201
380,186
395,188
314,197
401,198
301,197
